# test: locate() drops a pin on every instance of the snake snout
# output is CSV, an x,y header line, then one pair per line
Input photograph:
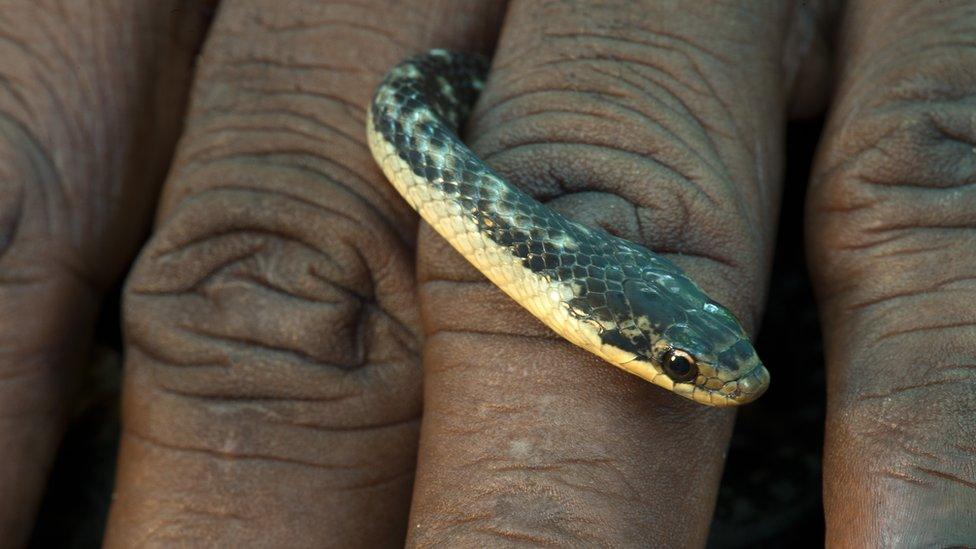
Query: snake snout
x,y
752,386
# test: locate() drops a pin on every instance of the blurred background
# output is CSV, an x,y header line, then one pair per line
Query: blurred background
x,y
770,494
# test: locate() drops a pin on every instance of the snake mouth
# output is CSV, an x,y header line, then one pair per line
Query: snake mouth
x,y
747,388
740,391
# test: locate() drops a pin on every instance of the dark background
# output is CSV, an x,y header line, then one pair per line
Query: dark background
x,y
770,494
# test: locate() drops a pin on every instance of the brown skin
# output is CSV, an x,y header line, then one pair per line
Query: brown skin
x,y
91,103
275,325
891,219
589,109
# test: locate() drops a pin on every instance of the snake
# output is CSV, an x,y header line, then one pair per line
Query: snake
x,y
633,308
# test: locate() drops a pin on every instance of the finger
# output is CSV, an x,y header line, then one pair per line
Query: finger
x,y
890,231
90,96
662,122
273,394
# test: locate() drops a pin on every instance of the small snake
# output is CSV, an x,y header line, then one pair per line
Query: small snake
x,y
616,299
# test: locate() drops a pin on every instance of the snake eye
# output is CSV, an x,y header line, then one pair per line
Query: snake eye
x,y
679,366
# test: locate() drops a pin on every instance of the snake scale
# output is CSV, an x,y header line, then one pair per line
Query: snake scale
x,y
616,299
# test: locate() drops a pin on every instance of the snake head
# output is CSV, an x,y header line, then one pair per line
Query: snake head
x,y
686,342
721,369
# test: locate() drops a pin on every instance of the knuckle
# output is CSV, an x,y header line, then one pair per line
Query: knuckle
x,y
278,291
90,165
276,300
893,199
36,218
898,173
612,121
635,128
41,266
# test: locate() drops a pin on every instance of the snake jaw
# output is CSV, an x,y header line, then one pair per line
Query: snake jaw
x,y
751,386
738,391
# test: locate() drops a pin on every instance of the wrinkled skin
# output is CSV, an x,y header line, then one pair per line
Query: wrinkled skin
x,y
288,316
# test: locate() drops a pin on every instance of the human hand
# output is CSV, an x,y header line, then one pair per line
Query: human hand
x,y
274,322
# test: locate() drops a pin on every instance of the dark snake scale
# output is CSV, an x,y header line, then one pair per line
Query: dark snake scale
x,y
616,299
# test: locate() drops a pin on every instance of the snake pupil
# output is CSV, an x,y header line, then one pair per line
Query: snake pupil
x,y
680,366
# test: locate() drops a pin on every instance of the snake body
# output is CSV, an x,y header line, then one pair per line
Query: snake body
x,y
616,299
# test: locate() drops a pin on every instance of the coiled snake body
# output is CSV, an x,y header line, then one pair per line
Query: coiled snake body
x,y
616,299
